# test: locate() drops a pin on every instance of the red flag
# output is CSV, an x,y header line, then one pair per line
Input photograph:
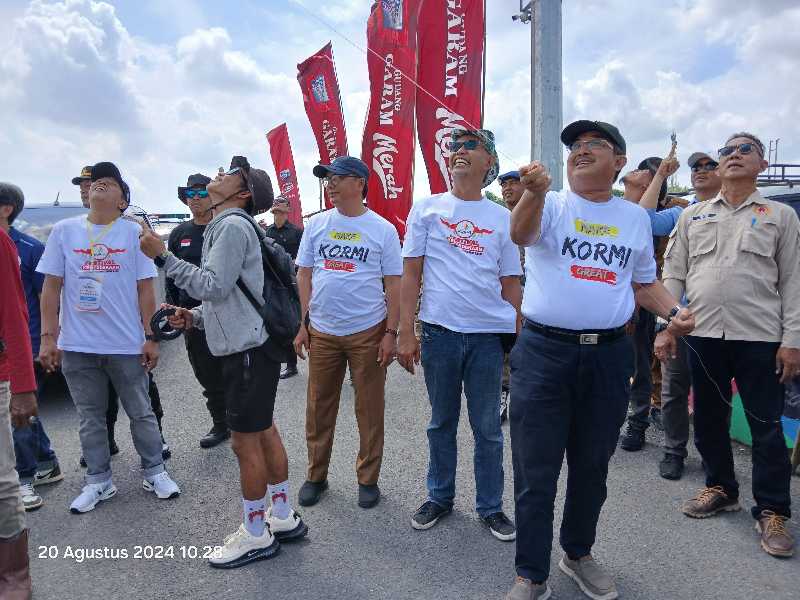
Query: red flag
x,y
451,39
388,145
281,150
317,78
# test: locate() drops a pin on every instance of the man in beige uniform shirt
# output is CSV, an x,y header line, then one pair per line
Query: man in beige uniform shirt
x,y
737,257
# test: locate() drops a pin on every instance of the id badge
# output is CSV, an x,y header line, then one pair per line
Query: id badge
x,y
90,292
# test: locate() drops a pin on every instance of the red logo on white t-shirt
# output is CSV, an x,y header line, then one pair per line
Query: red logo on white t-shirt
x,y
593,274
100,258
186,242
465,231
339,265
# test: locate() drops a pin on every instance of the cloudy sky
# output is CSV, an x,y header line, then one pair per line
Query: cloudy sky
x,y
166,88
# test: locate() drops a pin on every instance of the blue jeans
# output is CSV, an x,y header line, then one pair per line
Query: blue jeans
x,y
32,446
568,398
474,360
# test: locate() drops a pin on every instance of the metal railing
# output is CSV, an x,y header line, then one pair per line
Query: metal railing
x,y
781,174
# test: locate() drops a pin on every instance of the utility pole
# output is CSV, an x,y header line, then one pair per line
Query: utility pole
x,y
546,95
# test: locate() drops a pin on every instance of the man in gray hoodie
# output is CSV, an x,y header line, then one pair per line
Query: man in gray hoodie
x,y
236,333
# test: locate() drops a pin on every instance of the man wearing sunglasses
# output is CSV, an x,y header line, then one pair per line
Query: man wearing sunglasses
x,y
675,373
737,259
589,261
186,242
458,249
250,368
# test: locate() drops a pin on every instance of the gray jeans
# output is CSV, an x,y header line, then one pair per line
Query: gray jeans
x,y
12,515
676,379
87,376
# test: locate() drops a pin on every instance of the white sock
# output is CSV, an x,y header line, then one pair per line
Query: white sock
x,y
254,513
279,494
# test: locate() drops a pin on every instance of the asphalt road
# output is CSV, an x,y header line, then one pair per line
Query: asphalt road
x,y
653,551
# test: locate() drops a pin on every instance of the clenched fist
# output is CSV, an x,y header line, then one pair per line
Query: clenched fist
x,y
535,178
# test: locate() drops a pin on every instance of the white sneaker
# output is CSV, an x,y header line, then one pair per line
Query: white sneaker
x,y
162,485
290,528
91,494
30,499
241,548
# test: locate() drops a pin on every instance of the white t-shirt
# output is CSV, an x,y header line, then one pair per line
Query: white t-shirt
x,y
99,300
467,249
349,256
579,273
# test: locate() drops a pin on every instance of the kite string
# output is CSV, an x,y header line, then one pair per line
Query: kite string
x,y
415,83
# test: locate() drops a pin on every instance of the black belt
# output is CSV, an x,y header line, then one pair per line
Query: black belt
x,y
587,336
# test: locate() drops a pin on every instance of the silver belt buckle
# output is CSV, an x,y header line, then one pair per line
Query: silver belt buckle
x,y
589,338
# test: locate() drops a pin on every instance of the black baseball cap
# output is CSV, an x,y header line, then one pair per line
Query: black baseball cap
x,y
86,175
198,180
697,157
607,130
109,169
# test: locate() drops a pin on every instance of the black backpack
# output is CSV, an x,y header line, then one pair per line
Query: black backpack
x,y
280,301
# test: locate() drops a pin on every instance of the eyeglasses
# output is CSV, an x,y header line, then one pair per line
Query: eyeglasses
x,y
335,180
593,144
745,148
467,145
198,193
709,166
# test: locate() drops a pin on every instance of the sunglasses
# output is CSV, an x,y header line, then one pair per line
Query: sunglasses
x,y
709,166
336,179
198,193
594,144
467,145
745,148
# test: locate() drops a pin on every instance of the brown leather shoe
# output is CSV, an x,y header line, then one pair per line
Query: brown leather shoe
x,y
709,502
775,538
15,578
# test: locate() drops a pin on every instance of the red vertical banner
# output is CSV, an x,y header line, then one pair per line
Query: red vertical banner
x,y
323,104
388,145
280,148
451,40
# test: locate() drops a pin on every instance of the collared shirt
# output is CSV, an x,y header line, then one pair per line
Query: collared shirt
x,y
30,250
740,269
288,236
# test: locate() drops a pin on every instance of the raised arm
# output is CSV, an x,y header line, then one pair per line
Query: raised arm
x,y
526,218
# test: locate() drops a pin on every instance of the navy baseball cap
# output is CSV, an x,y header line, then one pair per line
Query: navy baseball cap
x,y
110,170
343,165
509,175
607,130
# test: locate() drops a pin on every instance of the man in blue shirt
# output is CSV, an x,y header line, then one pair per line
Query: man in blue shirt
x,y
37,464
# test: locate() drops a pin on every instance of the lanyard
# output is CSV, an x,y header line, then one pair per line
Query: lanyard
x,y
103,232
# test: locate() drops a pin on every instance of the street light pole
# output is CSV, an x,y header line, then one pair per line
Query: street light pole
x,y
546,73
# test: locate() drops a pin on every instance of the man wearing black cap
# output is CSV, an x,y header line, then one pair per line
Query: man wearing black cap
x,y
186,242
103,287
236,334
288,236
349,280
457,249
589,261
675,370
84,180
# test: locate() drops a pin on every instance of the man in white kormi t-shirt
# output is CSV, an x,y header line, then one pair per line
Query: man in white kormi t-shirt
x,y
589,259
103,284
457,246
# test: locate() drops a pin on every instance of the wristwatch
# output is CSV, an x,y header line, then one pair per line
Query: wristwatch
x,y
150,337
661,324
673,313
161,259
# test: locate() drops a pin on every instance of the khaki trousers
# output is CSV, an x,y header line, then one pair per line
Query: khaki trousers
x,y
329,357
12,515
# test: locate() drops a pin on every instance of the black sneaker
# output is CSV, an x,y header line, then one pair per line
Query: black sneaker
x,y
656,418
633,438
671,466
46,476
311,492
288,371
428,515
501,526
215,436
368,495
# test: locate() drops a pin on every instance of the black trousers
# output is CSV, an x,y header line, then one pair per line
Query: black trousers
x,y
642,386
208,371
568,398
113,405
752,364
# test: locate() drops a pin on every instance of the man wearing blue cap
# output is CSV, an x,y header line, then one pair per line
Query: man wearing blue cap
x,y
349,281
458,250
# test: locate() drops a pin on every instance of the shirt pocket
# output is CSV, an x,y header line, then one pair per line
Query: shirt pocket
x,y
760,238
702,238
